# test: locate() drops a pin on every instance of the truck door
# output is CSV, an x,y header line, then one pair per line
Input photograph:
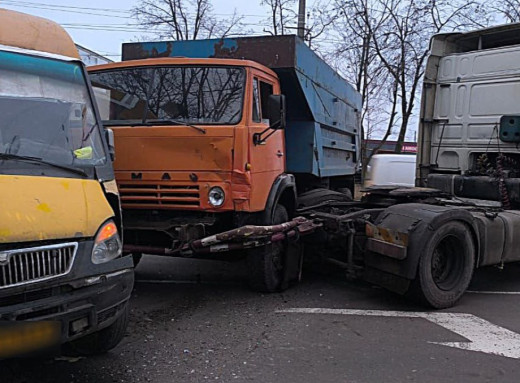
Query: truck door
x,y
269,156
267,159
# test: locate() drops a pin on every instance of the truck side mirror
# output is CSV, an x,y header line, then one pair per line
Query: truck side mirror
x,y
276,111
510,128
110,141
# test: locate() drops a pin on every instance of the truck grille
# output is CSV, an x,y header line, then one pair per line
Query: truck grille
x,y
159,195
23,266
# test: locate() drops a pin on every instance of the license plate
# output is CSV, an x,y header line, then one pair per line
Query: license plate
x,y
22,338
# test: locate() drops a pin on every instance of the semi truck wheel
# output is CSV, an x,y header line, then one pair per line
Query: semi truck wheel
x,y
446,266
266,264
102,341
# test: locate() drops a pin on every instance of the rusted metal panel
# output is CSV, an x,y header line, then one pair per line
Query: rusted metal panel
x,y
271,51
386,235
389,249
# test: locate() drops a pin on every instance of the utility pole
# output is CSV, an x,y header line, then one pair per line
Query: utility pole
x,y
301,19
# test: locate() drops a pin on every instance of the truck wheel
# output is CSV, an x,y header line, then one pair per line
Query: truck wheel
x,y
446,266
318,196
347,192
101,341
266,264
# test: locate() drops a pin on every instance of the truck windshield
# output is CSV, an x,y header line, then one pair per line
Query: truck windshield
x,y
192,95
46,115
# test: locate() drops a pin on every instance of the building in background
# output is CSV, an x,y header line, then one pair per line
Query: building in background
x,y
389,147
92,58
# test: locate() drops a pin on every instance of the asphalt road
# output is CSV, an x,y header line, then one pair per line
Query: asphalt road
x,y
207,326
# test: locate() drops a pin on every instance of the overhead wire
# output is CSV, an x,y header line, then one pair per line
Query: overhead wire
x,y
18,5
28,4
128,27
58,6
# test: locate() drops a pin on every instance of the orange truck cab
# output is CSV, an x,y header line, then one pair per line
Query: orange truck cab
x,y
211,135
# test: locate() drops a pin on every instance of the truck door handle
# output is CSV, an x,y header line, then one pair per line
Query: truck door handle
x,y
279,154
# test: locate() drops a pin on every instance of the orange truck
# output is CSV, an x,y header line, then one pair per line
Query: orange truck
x,y
215,135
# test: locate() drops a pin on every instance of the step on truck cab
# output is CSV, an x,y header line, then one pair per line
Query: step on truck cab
x,y
212,135
63,278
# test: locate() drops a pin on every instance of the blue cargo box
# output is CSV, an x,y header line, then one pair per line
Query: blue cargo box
x,y
323,109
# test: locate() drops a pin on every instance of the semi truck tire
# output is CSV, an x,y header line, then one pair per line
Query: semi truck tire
x,y
265,264
101,341
318,196
445,267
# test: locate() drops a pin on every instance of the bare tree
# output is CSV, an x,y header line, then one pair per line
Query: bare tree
x,y
401,38
281,15
185,19
382,49
354,55
508,9
320,18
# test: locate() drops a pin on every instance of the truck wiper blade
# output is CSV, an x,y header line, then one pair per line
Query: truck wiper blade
x,y
174,122
154,122
115,123
9,156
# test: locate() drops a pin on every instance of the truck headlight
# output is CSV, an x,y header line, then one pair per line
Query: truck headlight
x,y
107,245
216,196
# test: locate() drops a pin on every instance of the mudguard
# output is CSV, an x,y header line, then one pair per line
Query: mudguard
x,y
419,222
283,183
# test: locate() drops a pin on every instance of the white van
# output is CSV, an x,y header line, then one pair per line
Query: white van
x,y
391,169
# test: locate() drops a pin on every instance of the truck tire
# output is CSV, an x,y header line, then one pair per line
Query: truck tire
x,y
265,264
101,341
318,196
445,267
347,192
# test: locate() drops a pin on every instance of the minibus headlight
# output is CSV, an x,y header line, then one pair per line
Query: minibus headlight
x,y
107,245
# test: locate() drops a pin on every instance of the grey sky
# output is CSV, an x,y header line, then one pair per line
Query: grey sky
x,y
106,24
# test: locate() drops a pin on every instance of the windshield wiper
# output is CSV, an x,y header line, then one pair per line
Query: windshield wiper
x,y
8,156
154,122
166,121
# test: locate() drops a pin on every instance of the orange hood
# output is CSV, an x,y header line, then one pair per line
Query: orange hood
x,y
173,148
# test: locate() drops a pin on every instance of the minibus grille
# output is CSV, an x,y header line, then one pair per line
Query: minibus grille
x,y
159,196
29,265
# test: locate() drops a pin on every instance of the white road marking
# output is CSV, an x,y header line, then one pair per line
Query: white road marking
x,y
482,335
494,292
166,281
186,282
